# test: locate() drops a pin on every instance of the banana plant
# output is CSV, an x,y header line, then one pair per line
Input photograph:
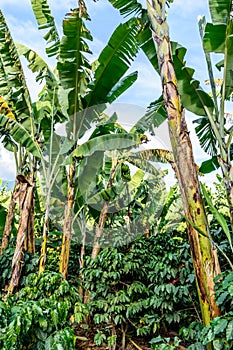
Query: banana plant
x,y
17,126
217,38
113,192
78,84
201,248
181,90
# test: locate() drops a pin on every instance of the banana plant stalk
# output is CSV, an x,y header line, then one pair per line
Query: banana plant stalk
x,y
29,242
68,219
9,219
25,224
45,236
104,213
223,139
205,262
71,172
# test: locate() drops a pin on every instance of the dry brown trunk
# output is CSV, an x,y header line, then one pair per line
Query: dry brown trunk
x,y
26,206
9,219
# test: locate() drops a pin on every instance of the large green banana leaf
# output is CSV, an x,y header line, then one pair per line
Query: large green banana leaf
x,y
19,133
105,143
113,62
193,97
155,115
127,7
218,38
206,135
49,101
18,129
146,43
14,87
36,63
73,66
108,82
121,86
45,20
220,10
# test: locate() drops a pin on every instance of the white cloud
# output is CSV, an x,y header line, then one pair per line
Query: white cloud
x,y
26,32
7,164
147,87
148,79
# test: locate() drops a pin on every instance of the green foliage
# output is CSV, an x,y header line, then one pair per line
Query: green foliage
x,y
99,338
147,284
160,343
73,66
38,317
217,215
5,195
220,330
13,83
45,20
20,134
30,265
219,235
224,291
113,63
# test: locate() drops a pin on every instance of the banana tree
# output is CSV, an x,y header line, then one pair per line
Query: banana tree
x,y
17,126
217,38
81,85
202,251
113,187
178,87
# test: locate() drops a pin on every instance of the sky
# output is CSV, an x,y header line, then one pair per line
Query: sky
x,y
182,19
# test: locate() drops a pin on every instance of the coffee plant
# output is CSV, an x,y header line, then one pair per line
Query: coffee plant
x,y
144,287
38,317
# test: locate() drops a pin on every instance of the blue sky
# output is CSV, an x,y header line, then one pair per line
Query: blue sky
x,y
104,18
182,20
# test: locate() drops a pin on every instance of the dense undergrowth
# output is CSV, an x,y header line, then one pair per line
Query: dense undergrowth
x,y
143,290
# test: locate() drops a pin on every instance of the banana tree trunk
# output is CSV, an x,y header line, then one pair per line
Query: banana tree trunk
x,y
9,219
43,254
81,266
29,242
99,230
205,260
227,170
104,212
67,226
25,224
